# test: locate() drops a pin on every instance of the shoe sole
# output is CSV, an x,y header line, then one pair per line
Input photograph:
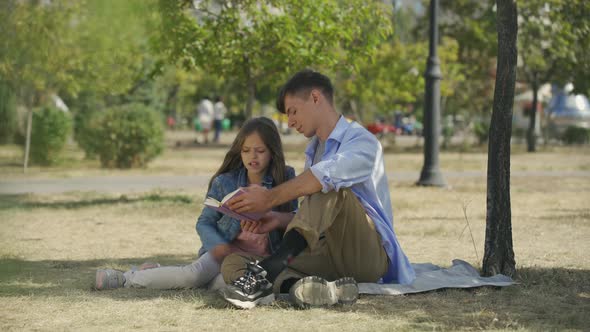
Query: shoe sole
x,y
102,281
317,292
266,300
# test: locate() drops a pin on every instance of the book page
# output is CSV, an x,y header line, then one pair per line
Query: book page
x,y
223,208
229,196
210,201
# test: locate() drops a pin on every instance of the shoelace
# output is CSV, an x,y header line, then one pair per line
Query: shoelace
x,y
250,282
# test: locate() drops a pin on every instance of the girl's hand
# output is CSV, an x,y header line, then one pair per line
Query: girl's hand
x,y
221,251
266,224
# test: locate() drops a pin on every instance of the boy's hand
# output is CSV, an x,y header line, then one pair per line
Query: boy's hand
x,y
254,199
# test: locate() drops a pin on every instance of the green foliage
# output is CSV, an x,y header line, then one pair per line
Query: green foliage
x,y
73,46
553,41
576,135
51,128
262,42
128,136
8,121
86,122
577,69
481,129
472,24
36,41
394,78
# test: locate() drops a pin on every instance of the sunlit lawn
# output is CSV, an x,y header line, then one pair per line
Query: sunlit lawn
x,y
51,245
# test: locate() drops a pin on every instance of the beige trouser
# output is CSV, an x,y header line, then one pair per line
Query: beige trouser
x,y
342,242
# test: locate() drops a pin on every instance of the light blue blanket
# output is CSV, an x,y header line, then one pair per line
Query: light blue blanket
x,y
430,277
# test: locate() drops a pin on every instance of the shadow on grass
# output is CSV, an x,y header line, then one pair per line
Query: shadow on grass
x,y
544,299
23,202
69,278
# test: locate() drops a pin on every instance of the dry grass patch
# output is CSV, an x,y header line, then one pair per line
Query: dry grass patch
x,y
51,246
194,159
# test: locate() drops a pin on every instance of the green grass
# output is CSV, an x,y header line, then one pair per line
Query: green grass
x,y
51,246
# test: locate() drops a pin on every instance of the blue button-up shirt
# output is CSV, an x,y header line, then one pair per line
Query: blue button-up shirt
x,y
353,158
215,228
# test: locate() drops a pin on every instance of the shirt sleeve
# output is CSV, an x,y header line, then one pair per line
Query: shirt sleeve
x,y
207,221
352,163
290,174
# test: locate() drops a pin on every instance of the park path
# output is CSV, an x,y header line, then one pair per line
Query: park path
x,y
143,183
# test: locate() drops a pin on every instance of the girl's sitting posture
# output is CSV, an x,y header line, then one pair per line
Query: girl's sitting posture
x,y
255,158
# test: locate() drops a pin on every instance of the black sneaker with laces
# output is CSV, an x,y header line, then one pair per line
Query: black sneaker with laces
x,y
249,290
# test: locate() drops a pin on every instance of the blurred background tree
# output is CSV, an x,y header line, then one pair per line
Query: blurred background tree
x,y
167,55
257,43
37,44
92,53
472,25
552,47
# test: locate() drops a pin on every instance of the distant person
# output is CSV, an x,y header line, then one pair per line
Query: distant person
x,y
171,122
255,158
205,113
343,231
219,111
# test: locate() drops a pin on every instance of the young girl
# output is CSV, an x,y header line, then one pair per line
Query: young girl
x,y
255,158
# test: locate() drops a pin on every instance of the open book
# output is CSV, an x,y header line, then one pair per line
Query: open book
x,y
223,208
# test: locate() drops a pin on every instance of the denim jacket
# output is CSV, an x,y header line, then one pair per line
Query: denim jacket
x,y
215,228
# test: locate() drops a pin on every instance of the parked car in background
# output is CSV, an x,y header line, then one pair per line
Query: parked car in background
x,y
567,110
380,128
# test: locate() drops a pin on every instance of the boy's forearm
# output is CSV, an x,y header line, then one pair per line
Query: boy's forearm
x,y
302,185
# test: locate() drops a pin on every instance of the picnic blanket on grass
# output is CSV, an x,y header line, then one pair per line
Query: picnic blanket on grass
x,y
430,277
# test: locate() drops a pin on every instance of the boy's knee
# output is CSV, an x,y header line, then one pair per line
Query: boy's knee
x,y
234,265
231,266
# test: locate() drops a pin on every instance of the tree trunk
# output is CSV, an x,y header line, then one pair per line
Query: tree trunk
x,y
31,100
28,138
251,99
531,137
355,111
499,255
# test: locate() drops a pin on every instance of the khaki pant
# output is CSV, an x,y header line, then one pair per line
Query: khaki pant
x,y
342,242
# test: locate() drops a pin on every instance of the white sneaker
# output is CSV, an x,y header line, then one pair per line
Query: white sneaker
x,y
109,279
316,292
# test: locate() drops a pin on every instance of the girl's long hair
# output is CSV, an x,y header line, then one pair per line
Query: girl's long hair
x,y
269,134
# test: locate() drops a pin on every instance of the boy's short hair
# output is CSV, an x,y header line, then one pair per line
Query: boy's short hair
x,y
301,83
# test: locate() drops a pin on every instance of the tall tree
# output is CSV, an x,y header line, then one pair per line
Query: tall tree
x,y
577,13
35,39
499,255
471,24
63,46
553,46
263,41
392,79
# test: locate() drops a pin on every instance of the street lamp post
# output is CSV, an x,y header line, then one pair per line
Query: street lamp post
x,y
431,175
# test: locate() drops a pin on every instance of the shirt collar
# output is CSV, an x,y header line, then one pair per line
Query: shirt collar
x,y
338,132
337,135
242,177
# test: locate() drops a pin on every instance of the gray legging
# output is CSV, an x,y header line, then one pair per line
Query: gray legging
x,y
203,271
